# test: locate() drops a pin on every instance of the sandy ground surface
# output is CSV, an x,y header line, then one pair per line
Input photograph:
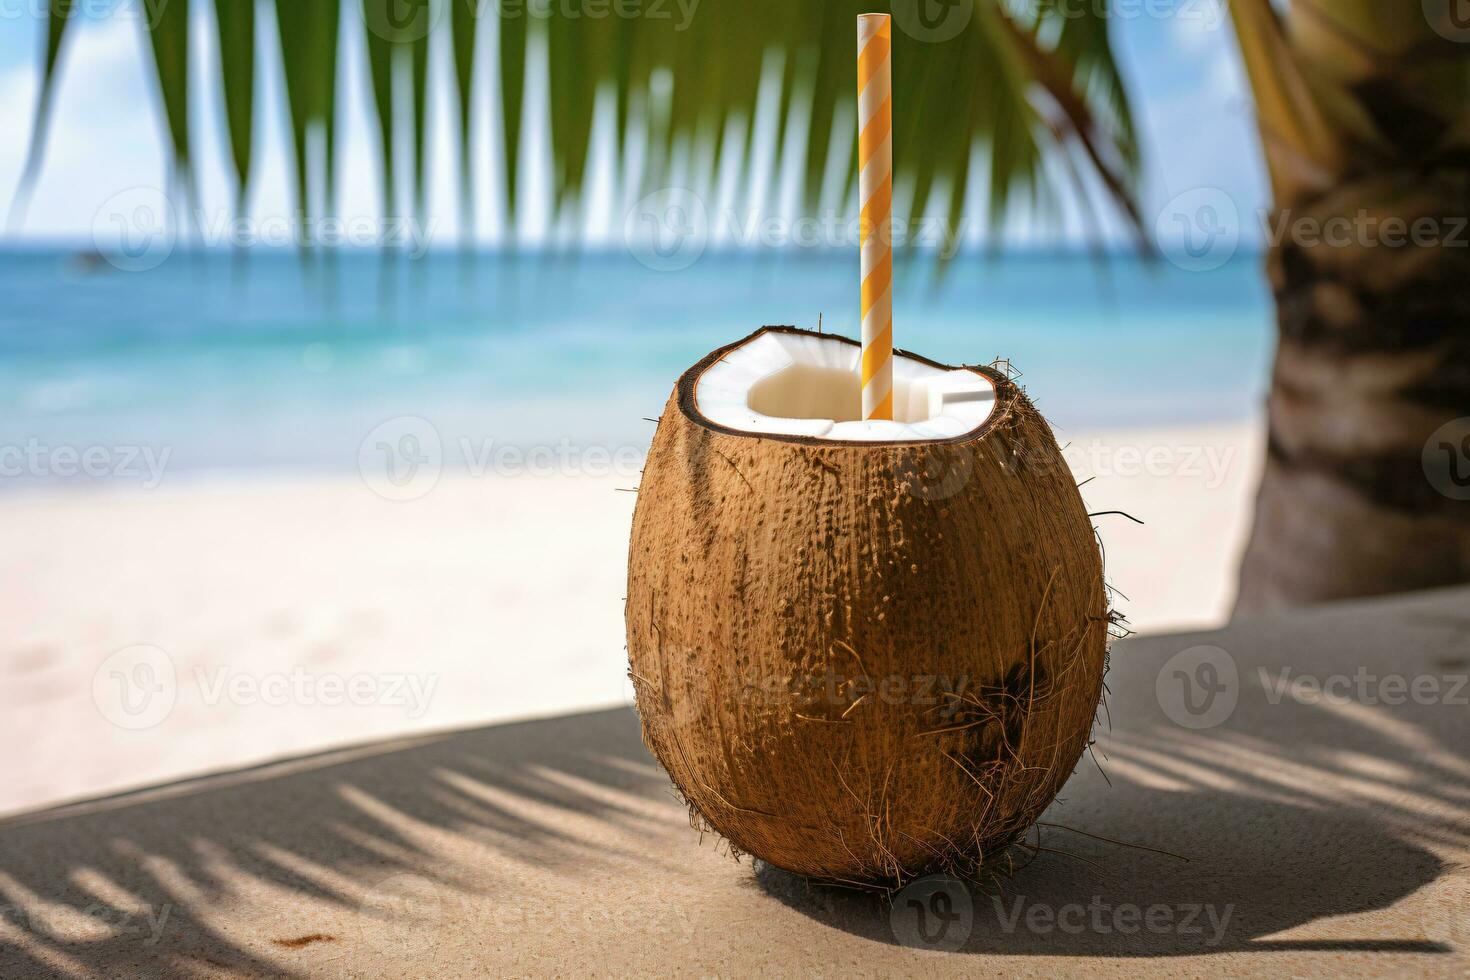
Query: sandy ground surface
x,y
1311,786
150,635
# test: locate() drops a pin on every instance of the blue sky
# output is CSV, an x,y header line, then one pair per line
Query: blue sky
x,y
1194,116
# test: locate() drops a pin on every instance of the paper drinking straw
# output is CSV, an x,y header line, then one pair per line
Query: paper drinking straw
x,y
875,225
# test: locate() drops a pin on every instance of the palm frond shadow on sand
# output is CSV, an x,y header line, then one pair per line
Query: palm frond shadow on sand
x,y
325,829
1298,809
1257,866
1354,812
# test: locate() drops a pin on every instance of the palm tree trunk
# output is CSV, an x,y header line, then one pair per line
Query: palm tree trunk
x,y
1373,360
1366,487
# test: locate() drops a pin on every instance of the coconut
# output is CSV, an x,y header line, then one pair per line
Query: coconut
x,y
863,651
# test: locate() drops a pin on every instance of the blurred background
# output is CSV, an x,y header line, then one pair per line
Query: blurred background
x,y
321,422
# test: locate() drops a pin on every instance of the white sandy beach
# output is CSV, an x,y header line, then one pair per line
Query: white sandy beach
x,y
209,624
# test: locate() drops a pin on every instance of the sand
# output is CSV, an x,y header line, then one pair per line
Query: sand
x,y
1309,836
218,622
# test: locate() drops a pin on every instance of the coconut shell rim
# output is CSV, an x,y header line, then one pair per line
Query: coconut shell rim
x,y
1006,396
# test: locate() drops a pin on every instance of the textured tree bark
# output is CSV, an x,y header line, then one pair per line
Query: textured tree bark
x,y
1366,132
1366,487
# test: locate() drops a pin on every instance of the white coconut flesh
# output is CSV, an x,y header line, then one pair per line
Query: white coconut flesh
x,y
799,385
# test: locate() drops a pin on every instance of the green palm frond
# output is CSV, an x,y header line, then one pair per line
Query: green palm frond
x,y
58,19
380,57
1024,81
309,31
465,28
168,35
235,22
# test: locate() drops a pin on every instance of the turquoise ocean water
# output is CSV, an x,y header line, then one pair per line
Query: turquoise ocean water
x,y
273,363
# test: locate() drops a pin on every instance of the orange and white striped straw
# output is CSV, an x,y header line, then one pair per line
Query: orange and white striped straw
x,y
875,226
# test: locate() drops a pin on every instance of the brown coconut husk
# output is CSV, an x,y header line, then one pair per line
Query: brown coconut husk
x,y
864,662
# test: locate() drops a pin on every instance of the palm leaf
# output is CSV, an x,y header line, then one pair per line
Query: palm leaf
x,y
309,39
1057,77
418,49
168,34
59,14
834,70
235,20
380,73
464,23
623,82
513,40
1024,79
573,94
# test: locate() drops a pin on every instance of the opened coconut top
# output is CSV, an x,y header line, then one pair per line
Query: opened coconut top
x,y
791,383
